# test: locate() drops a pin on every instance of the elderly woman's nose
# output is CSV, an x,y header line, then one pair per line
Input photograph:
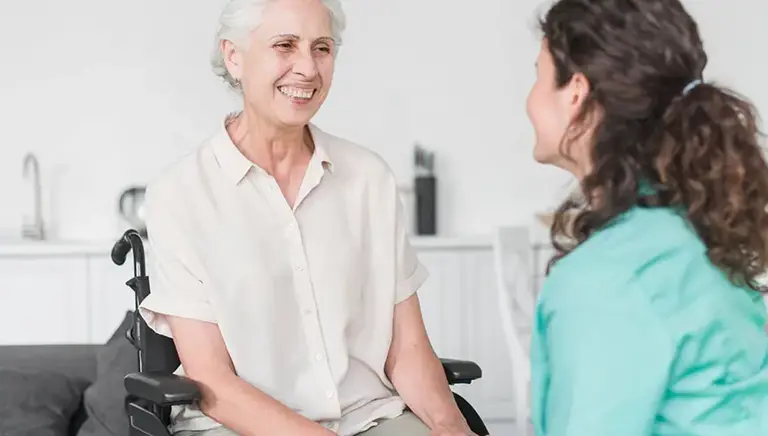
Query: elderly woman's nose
x,y
305,63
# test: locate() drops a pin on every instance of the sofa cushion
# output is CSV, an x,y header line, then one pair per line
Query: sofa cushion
x,y
104,400
38,402
76,361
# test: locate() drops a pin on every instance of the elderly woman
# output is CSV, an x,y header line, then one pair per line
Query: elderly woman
x,y
282,267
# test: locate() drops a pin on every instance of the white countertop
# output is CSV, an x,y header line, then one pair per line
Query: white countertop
x,y
11,246
26,248
467,242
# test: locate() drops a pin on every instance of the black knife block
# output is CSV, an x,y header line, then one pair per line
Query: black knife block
x,y
426,204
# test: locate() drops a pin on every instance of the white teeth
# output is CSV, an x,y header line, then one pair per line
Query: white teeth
x,y
296,92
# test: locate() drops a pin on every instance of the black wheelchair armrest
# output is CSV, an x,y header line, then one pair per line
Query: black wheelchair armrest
x,y
461,371
162,389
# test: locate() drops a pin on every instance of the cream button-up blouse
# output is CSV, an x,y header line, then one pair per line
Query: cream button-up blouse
x,y
303,296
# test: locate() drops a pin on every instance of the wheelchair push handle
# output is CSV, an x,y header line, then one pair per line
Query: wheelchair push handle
x,y
120,251
130,241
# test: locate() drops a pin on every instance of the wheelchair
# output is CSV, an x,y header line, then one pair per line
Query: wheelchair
x,y
154,389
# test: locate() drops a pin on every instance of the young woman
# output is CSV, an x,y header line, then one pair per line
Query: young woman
x,y
651,321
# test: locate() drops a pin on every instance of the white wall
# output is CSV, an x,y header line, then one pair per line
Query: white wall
x,y
107,93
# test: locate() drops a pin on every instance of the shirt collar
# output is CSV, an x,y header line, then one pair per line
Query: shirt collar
x,y
321,141
236,166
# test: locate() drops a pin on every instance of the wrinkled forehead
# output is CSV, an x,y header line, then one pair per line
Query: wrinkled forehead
x,y
298,19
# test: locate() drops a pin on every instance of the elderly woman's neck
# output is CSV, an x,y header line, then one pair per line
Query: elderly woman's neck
x,y
271,147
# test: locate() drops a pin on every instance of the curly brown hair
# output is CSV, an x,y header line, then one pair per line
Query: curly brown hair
x,y
698,148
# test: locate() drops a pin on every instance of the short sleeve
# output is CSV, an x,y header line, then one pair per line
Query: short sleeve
x,y
411,273
609,362
176,280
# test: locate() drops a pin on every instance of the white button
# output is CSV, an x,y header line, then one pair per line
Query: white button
x,y
307,311
299,268
318,357
329,394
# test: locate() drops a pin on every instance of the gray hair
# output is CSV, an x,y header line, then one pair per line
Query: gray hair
x,y
240,17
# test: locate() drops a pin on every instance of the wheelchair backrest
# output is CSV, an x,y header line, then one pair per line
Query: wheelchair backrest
x,y
156,353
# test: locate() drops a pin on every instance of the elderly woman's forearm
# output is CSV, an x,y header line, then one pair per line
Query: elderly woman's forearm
x,y
248,411
419,378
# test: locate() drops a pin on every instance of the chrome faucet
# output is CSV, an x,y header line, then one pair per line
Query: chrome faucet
x,y
33,230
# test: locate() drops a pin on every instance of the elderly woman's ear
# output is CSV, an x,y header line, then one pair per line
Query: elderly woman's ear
x,y
232,59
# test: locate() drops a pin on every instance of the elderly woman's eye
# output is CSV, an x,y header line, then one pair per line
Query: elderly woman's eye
x,y
284,45
323,48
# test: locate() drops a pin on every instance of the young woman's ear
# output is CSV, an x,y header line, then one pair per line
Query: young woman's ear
x,y
578,90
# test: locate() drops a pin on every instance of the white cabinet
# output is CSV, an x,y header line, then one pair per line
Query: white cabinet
x,y
110,297
459,306
44,300
60,293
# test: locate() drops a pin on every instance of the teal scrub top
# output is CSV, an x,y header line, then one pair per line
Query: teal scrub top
x,y
637,333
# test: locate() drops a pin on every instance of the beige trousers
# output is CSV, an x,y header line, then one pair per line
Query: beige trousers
x,y
406,424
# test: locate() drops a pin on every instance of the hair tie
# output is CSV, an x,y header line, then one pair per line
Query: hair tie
x,y
689,87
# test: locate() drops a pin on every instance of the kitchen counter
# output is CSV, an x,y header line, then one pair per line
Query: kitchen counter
x,y
468,242
24,248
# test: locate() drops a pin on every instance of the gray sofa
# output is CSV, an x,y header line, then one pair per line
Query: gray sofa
x,y
66,390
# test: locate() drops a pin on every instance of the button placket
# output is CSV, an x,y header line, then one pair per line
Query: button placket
x,y
293,234
321,360
311,324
